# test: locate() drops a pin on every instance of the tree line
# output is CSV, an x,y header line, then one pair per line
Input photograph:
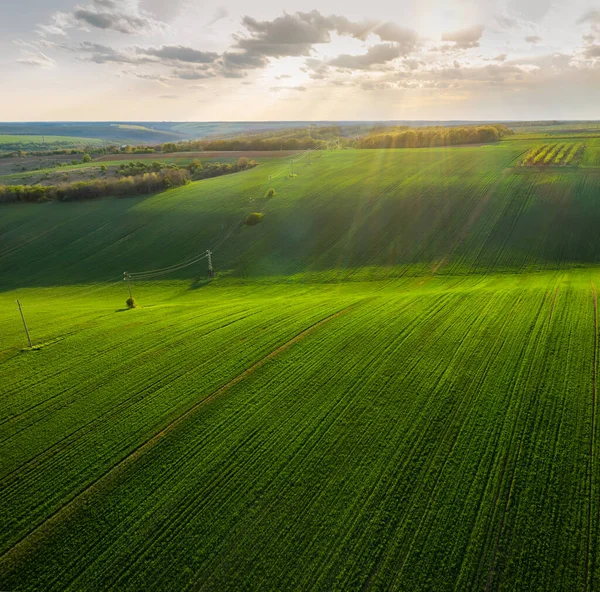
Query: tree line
x,y
143,183
350,137
434,136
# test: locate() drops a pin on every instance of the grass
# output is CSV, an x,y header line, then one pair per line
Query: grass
x,y
27,139
391,383
93,168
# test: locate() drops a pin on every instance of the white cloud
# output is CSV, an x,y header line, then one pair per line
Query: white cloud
x,y
37,60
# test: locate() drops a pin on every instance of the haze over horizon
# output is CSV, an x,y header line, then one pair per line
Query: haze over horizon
x,y
146,60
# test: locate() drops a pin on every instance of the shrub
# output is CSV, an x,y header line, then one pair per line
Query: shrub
x,y
103,169
253,219
130,302
86,158
270,193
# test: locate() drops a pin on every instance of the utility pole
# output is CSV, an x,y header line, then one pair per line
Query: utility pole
x,y
211,272
309,157
292,165
127,278
24,323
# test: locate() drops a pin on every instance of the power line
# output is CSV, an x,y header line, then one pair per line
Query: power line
x,y
154,273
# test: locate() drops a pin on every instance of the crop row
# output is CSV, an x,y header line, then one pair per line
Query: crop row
x,y
95,396
435,440
554,154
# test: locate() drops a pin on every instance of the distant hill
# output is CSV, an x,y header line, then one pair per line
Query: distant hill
x,y
379,212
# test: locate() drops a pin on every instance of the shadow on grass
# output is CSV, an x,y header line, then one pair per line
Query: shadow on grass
x,y
200,283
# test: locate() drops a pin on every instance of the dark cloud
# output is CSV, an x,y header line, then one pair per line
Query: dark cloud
x,y
179,53
123,23
124,17
243,60
101,54
376,55
465,38
287,35
296,34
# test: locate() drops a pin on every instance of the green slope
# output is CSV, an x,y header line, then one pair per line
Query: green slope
x,y
454,210
429,423
403,435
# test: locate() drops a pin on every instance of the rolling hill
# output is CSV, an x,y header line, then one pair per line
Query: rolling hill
x,y
390,384
394,212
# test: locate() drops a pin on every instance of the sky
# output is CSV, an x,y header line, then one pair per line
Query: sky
x,y
185,60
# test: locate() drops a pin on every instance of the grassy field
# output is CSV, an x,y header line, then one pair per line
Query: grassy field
x,y
14,139
391,383
11,172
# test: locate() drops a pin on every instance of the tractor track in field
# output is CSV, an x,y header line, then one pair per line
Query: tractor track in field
x,y
554,303
592,438
509,493
80,499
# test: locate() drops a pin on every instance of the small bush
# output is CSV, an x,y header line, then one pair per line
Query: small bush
x,y
253,219
130,302
86,158
270,193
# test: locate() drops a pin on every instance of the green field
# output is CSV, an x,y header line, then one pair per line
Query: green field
x,y
14,139
38,174
390,384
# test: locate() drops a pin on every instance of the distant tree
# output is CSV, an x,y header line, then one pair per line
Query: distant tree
x,y
86,158
253,219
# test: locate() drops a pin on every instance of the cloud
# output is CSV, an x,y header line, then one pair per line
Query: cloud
x,y
376,55
124,17
293,35
179,53
533,39
218,15
283,88
465,38
161,79
287,35
593,51
407,39
243,60
194,74
591,16
37,60
102,54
